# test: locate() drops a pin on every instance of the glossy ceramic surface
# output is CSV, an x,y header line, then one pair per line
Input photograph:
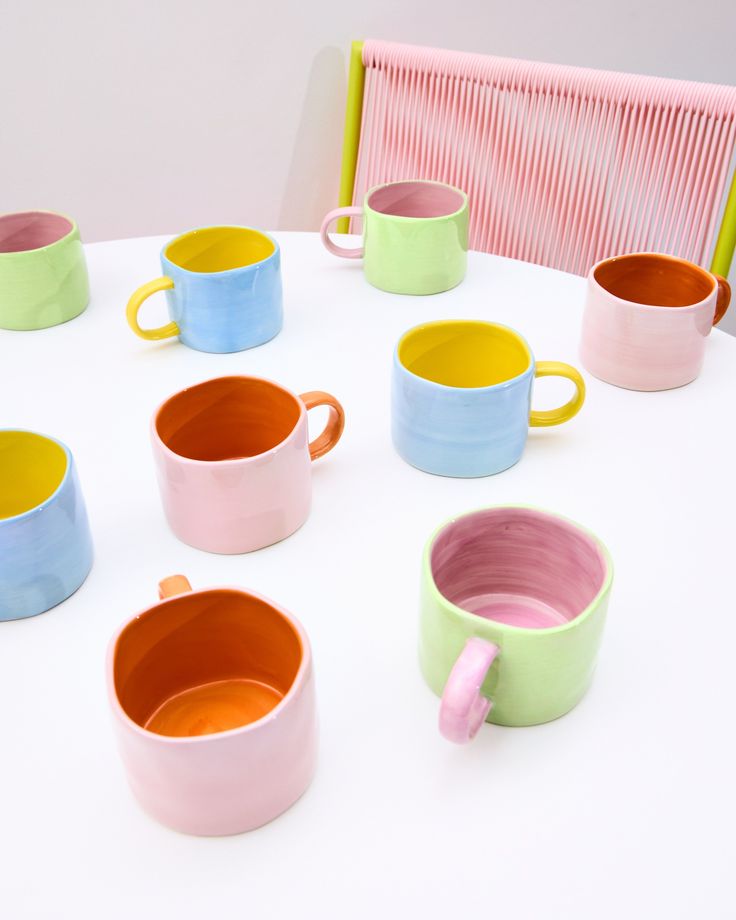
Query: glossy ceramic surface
x,y
233,460
415,236
213,703
513,605
223,289
646,320
45,542
43,274
461,397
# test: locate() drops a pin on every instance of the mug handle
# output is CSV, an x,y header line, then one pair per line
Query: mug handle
x,y
324,442
566,412
173,585
134,305
723,300
464,708
333,247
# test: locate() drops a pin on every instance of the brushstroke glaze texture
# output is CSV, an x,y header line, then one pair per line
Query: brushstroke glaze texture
x,y
461,397
647,317
415,236
531,590
223,290
233,460
43,274
45,541
218,767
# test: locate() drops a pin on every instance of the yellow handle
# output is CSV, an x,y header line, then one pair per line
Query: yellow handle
x,y
134,305
566,412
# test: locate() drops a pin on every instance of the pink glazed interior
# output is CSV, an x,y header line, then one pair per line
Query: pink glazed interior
x,y
518,566
32,230
416,199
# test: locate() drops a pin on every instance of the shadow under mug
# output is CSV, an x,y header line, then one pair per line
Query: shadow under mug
x,y
213,704
223,290
646,320
461,396
513,605
415,236
45,541
233,460
43,273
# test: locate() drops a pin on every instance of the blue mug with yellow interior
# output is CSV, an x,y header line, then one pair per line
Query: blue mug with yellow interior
x,y
461,397
223,289
45,541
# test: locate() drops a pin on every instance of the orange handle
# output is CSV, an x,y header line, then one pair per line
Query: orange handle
x,y
173,585
723,300
335,423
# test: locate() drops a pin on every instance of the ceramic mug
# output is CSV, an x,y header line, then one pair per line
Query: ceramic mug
x,y
461,397
43,275
415,236
513,604
233,460
646,320
45,542
223,289
213,704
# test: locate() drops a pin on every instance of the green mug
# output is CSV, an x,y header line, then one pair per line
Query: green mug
x,y
514,600
415,236
43,275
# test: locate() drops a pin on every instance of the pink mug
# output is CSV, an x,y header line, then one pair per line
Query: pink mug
x,y
646,320
233,459
213,704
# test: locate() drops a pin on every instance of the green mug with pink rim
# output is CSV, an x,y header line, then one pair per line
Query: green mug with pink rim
x,y
513,604
415,236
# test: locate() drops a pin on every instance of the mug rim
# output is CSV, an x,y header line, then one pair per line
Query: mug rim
x,y
231,460
300,678
477,322
25,253
472,618
64,479
402,217
226,271
649,306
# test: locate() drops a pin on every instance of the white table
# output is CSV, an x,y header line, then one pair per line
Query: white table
x,y
623,808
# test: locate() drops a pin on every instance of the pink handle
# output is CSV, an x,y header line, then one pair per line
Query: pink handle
x,y
332,247
464,708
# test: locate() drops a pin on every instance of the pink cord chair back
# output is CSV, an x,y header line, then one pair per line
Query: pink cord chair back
x,y
563,165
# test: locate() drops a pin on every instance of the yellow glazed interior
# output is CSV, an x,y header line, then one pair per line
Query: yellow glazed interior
x,y
464,353
219,249
32,468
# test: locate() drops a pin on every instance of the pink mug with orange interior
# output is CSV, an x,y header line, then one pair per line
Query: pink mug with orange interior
x,y
213,705
233,459
647,317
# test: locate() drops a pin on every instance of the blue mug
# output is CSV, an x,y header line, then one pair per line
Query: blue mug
x,y
223,289
461,397
45,542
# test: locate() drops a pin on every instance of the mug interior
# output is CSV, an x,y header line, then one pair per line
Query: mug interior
x,y
228,418
205,662
416,199
518,566
32,467
29,230
219,249
464,353
654,280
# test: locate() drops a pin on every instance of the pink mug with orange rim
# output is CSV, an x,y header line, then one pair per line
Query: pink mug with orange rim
x,y
233,459
646,320
213,704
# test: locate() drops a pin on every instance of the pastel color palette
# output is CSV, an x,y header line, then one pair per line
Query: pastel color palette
x,y
45,541
514,600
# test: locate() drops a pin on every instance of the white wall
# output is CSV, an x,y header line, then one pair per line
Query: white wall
x,y
153,116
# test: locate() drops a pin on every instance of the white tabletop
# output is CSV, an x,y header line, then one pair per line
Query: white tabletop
x,y
623,808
